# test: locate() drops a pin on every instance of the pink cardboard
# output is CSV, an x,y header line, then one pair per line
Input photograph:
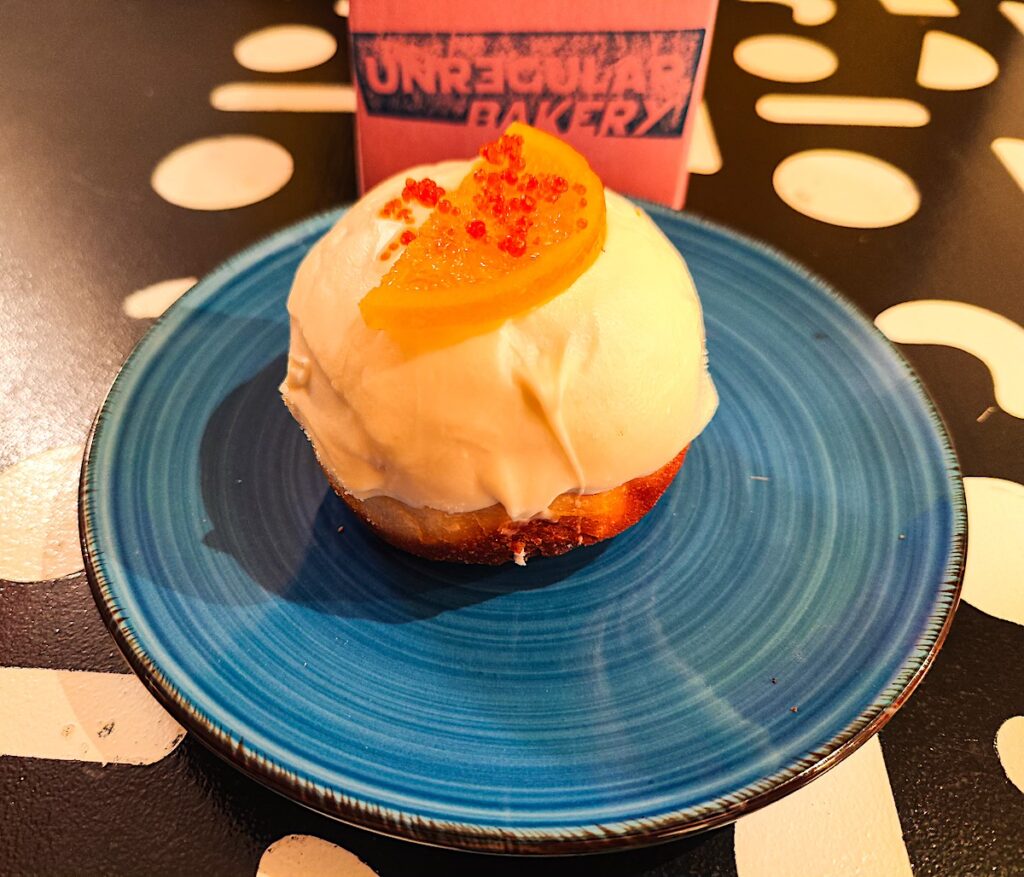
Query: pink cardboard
x,y
619,81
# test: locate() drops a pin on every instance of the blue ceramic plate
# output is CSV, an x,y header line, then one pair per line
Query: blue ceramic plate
x,y
774,609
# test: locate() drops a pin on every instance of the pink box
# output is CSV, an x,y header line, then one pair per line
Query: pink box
x,y
619,81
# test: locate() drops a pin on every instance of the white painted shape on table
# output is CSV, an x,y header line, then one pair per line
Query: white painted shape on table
x,y
994,574
1014,12
952,63
222,173
846,188
832,109
807,12
785,58
151,301
302,855
844,823
74,715
39,516
995,340
934,8
285,48
705,156
1010,749
1010,151
284,97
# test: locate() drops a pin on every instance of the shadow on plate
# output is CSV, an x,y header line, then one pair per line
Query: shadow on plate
x,y
272,512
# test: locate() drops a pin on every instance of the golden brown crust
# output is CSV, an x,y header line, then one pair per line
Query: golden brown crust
x,y
489,536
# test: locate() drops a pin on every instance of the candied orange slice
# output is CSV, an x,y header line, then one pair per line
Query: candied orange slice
x,y
526,221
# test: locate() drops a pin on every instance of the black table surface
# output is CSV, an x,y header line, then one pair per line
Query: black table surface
x,y
93,96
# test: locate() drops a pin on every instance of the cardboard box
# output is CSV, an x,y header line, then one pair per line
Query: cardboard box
x,y
619,81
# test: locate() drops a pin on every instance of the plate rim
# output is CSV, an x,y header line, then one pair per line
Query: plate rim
x,y
558,840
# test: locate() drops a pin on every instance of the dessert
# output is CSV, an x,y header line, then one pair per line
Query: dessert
x,y
498,358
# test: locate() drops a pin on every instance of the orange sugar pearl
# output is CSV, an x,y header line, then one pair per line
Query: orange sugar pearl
x,y
512,212
426,191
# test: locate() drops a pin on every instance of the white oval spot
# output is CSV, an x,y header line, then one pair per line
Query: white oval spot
x,y
994,575
951,63
846,188
220,173
284,48
152,301
75,715
994,339
834,109
934,8
1010,151
341,8
284,97
807,12
1014,12
1010,748
302,855
785,58
39,516
845,822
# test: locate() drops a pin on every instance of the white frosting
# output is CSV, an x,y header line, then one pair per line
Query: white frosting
x,y
604,383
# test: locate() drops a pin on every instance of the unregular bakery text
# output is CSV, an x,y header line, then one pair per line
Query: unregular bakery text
x,y
609,84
